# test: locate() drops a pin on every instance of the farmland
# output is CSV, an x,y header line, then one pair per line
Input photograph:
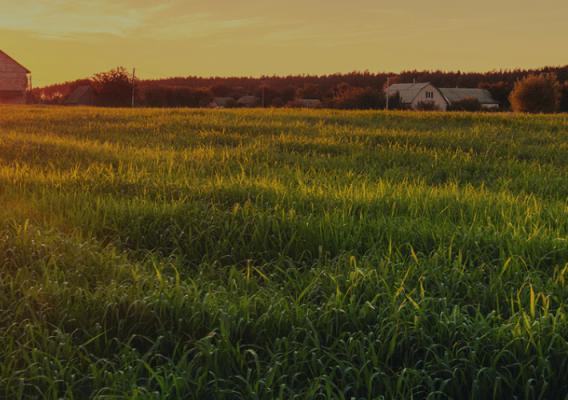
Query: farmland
x,y
164,254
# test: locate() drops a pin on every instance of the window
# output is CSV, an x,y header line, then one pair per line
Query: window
x,y
429,95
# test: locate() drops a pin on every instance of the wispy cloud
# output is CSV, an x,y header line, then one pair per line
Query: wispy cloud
x,y
67,19
61,18
197,26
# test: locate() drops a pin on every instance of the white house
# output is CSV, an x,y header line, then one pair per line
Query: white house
x,y
310,103
14,80
412,95
248,101
222,102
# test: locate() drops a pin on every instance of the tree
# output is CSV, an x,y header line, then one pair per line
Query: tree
x,y
500,91
563,105
395,102
310,91
349,97
536,94
221,90
113,88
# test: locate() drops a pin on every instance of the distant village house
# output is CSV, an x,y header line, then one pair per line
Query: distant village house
x,y
14,80
305,103
310,103
414,95
248,101
222,102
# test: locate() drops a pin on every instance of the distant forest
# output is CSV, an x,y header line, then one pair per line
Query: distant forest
x,y
357,90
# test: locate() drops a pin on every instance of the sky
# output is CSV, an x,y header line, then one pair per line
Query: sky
x,y
61,40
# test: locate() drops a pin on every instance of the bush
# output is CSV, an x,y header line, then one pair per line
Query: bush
x,y
277,102
427,106
395,102
467,104
536,94
500,91
113,88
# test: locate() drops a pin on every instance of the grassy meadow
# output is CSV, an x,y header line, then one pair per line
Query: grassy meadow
x,y
167,254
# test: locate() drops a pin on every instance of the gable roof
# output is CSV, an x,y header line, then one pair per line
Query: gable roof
x,y
457,94
81,95
406,91
247,101
8,64
222,102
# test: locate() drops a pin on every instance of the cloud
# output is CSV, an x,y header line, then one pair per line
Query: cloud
x,y
78,20
218,21
197,26
52,17
61,18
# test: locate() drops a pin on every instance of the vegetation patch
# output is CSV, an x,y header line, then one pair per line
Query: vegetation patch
x,y
165,254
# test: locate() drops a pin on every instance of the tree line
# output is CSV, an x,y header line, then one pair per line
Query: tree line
x,y
355,90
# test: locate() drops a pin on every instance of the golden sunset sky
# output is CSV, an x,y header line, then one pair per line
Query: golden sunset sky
x,y
63,40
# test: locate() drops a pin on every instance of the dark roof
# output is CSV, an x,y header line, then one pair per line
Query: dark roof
x,y
223,101
457,94
310,102
248,100
81,95
14,61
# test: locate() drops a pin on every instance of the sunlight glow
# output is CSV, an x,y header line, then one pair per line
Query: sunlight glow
x,y
68,39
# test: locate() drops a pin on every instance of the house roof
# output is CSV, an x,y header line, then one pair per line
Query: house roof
x,y
82,94
248,100
406,91
8,64
223,100
457,94
310,102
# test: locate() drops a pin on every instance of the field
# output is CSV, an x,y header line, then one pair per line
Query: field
x,y
165,254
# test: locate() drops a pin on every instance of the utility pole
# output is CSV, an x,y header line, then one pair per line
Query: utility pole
x,y
133,80
387,92
30,89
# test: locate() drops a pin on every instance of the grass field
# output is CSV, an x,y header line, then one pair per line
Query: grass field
x,y
165,254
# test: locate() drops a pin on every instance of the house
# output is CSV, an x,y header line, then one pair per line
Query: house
x,y
453,95
81,96
310,103
418,95
248,101
412,95
14,80
222,102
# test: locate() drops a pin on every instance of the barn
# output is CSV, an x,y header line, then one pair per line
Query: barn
x,y
483,96
14,80
414,95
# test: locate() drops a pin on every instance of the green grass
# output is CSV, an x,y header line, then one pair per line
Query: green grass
x,y
165,254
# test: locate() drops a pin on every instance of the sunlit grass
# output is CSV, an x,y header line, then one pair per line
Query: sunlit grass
x,y
282,254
